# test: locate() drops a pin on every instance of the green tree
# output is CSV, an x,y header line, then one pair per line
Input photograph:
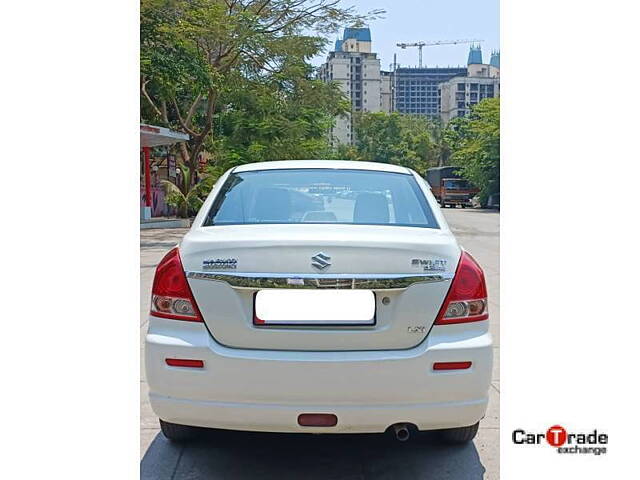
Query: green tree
x,y
186,197
475,144
441,148
194,53
275,118
412,141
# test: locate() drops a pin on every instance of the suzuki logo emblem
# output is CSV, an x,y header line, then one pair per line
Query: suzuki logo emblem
x,y
320,261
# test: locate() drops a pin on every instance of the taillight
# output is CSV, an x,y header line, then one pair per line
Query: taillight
x,y
467,297
171,296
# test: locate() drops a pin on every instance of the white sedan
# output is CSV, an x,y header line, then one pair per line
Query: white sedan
x,y
322,297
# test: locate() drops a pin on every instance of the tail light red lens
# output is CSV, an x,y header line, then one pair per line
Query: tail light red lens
x,y
317,420
171,296
467,297
451,365
184,362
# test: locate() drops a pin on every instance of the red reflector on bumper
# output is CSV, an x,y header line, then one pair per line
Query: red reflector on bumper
x,y
451,365
182,362
317,420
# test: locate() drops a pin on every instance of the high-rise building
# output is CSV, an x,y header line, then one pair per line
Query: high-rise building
x,y
386,102
480,81
475,55
357,70
416,89
437,92
495,59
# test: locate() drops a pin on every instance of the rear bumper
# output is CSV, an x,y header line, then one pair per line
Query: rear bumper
x,y
261,390
461,201
283,418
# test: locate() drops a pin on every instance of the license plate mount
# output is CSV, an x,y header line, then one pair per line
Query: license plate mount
x,y
304,307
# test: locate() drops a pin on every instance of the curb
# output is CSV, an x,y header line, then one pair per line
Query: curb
x,y
165,223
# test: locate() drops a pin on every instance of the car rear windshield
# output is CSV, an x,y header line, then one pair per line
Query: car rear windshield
x,y
361,197
456,184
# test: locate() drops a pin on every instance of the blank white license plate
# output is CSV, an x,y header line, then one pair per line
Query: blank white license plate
x,y
314,307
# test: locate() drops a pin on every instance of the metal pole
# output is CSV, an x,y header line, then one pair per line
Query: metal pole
x,y
147,177
393,85
420,56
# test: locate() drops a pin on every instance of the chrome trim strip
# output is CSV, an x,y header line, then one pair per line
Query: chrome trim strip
x,y
368,281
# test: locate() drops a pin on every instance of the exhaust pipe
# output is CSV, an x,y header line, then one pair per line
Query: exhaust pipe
x,y
402,432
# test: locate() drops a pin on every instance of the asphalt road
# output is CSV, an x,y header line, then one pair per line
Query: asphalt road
x,y
345,457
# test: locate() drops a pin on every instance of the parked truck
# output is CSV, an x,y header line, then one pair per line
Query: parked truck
x,y
449,187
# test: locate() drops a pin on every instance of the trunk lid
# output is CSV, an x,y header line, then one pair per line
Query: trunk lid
x,y
409,270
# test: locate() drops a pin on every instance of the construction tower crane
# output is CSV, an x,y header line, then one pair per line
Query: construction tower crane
x,y
420,45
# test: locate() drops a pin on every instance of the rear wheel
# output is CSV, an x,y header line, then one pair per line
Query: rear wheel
x,y
178,433
459,435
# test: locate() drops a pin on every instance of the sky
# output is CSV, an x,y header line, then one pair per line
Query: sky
x,y
429,20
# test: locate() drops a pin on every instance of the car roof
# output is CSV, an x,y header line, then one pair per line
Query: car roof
x,y
333,164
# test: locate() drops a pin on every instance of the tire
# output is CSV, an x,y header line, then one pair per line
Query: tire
x,y
178,433
459,435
